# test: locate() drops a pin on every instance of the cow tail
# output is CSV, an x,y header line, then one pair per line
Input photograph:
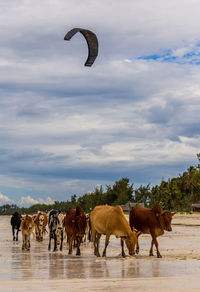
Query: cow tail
x,y
89,232
131,215
92,232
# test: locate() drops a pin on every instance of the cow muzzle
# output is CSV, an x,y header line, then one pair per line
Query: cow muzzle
x,y
131,253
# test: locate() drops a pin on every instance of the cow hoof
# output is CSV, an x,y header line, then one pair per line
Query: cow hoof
x,y
159,256
104,255
151,254
98,255
16,239
137,251
78,254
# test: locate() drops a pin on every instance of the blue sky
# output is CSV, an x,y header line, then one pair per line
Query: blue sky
x,y
66,128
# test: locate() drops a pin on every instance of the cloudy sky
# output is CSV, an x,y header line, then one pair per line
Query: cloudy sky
x,y
65,128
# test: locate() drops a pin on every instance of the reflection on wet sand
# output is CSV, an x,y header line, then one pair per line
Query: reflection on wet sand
x,y
133,269
56,266
155,267
99,269
75,268
22,263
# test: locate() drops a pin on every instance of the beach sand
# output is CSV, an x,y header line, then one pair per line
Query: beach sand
x,y
41,270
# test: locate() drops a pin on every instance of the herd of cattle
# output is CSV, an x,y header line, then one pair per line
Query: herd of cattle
x,y
103,220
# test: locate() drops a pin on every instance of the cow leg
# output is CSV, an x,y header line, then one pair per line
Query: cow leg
x,y
78,240
154,241
151,249
28,243
17,234
74,243
96,244
156,244
70,243
50,236
23,241
89,235
61,240
137,244
13,232
106,244
95,247
122,246
55,240
41,234
36,233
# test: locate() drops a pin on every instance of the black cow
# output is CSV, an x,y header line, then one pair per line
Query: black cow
x,y
15,222
55,223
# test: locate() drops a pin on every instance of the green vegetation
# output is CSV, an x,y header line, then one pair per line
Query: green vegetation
x,y
174,194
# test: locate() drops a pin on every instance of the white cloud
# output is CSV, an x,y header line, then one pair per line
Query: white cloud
x,y
28,201
25,201
4,199
47,201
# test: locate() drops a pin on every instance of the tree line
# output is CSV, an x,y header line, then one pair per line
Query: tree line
x,y
175,194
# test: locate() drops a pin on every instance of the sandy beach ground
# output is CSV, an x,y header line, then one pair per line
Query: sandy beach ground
x,y
41,270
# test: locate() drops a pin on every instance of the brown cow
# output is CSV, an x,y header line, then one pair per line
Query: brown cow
x,y
150,221
40,224
109,221
75,223
27,225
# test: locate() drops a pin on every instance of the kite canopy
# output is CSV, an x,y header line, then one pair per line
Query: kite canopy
x,y
92,43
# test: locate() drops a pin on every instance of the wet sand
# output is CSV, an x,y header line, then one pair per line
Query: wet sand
x,y
41,270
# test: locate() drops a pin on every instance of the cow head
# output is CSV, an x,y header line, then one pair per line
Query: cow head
x,y
131,241
28,223
60,219
167,218
41,219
